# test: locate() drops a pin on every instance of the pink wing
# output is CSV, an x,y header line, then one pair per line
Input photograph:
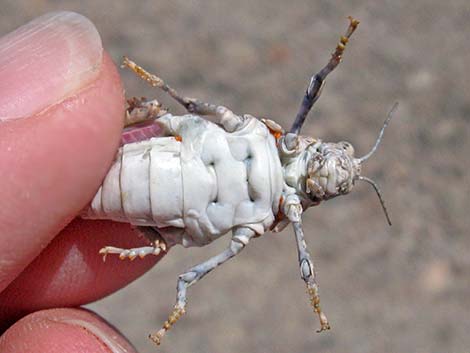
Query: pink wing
x,y
140,132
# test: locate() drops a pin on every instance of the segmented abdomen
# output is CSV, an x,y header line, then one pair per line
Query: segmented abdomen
x,y
143,186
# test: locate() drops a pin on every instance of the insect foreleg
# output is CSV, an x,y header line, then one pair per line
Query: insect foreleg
x,y
307,272
317,81
194,274
307,269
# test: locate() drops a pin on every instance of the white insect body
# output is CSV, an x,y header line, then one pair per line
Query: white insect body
x,y
198,180
207,184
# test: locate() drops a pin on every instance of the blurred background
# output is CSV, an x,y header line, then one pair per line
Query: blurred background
x,y
404,288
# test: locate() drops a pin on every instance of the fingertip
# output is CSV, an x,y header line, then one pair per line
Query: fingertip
x,y
55,161
45,61
63,330
71,272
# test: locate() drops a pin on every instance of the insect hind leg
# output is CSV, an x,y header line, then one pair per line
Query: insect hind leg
x,y
142,109
158,246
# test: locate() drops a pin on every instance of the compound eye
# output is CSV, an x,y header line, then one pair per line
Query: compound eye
x,y
344,188
347,147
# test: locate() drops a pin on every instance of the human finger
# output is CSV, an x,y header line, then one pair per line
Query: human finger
x,y
62,331
71,272
61,106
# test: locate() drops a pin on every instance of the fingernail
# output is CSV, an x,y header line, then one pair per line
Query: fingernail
x,y
109,341
63,330
45,61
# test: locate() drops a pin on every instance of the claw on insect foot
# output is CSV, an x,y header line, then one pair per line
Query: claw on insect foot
x,y
174,316
103,252
312,291
160,245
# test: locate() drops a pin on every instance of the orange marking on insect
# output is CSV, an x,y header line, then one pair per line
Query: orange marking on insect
x,y
178,138
279,215
277,134
281,201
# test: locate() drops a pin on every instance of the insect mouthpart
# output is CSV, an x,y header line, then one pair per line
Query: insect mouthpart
x,y
332,170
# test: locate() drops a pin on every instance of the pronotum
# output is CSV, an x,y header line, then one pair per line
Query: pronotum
x,y
185,180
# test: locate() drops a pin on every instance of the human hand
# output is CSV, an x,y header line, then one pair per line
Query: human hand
x,y
61,116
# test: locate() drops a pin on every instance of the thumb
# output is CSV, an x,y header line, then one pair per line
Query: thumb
x,y
62,331
61,109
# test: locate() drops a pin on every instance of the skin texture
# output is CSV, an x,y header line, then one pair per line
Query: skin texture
x,y
61,116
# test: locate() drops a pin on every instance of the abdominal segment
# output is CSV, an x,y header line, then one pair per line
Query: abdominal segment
x,y
143,186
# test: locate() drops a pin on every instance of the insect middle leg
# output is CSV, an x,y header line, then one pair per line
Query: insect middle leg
x,y
226,117
190,277
192,105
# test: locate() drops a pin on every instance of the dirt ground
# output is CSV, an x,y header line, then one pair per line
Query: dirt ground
x,y
403,288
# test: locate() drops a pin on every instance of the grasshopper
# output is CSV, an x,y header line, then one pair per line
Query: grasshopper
x,y
185,180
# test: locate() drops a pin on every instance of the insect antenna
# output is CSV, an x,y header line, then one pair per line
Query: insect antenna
x,y
379,194
379,139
